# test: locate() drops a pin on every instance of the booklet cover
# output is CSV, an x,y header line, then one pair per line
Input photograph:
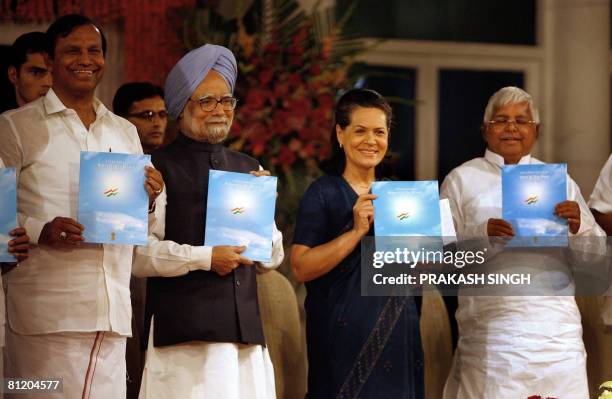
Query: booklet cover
x,y
240,211
8,211
407,208
529,196
113,203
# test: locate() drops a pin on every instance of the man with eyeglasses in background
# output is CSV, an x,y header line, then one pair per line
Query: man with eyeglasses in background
x,y
142,103
205,335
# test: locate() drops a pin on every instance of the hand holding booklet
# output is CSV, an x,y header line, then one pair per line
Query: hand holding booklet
x,y
529,196
240,211
407,209
113,203
8,211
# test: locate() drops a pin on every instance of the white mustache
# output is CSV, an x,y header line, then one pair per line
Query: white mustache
x,y
217,120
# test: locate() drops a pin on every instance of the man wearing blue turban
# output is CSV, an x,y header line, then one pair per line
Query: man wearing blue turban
x,y
205,338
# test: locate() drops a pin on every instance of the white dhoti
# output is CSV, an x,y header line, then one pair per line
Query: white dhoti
x,y
91,364
516,347
207,370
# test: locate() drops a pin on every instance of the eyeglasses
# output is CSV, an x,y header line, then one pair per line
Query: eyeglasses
x,y
149,115
520,123
210,103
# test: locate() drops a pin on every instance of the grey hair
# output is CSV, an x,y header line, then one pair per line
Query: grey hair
x,y
509,95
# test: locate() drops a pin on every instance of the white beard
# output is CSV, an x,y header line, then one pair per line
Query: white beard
x,y
207,132
216,134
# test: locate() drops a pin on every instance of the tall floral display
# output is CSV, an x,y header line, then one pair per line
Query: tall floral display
x,y
291,67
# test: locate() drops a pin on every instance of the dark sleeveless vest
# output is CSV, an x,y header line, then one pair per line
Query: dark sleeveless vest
x,y
201,305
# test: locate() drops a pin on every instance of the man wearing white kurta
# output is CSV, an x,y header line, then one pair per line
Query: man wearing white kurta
x,y
601,205
205,338
68,305
518,346
18,246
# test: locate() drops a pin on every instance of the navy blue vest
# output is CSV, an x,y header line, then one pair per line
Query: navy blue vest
x,y
201,305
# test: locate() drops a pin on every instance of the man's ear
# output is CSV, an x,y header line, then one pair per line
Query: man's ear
x,y
12,74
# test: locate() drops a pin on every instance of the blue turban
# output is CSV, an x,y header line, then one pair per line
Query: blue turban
x,y
189,72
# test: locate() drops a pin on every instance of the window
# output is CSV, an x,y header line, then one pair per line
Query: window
x,y
463,96
483,21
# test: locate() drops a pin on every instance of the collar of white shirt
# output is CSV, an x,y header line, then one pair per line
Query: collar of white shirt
x,y
53,105
498,160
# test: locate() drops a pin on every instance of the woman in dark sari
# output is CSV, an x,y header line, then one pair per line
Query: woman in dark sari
x,y
358,347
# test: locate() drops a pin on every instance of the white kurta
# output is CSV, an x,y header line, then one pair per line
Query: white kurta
x,y
601,200
200,370
85,288
518,346
65,297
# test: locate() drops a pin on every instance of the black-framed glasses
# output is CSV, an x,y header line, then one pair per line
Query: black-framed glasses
x,y
149,115
210,103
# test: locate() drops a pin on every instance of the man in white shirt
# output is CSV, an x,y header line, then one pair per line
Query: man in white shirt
x,y
601,206
514,346
206,338
18,246
68,305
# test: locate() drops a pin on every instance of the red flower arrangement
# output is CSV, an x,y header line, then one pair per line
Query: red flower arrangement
x,y
287,99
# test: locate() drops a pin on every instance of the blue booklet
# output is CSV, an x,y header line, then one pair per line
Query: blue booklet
x,y
113,203
407,208
529,196
240,211
8,211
